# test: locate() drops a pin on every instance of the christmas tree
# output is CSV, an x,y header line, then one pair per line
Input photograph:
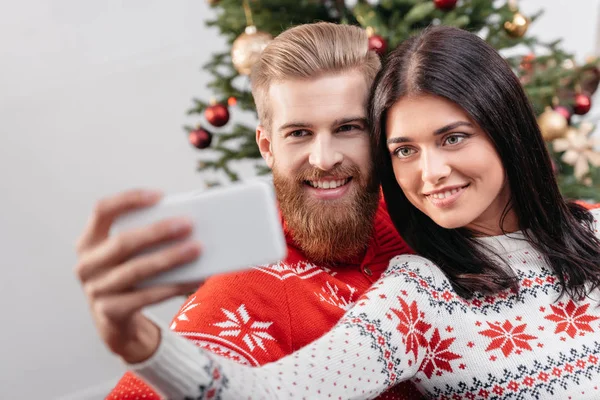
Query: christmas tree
x,y
559,90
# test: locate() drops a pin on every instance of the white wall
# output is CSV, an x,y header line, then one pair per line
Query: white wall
x,y
92,99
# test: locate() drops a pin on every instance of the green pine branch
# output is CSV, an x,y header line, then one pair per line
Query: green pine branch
x,y
395,20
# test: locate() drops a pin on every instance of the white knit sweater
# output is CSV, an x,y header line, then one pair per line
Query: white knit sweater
x,y
411,325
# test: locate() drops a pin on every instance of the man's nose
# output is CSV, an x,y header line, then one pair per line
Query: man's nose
x,y
324,154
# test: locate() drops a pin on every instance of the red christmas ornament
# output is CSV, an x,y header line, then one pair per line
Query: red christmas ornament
x,y
445,5
527,62
583,103
200,138
564,111
217,114
377,44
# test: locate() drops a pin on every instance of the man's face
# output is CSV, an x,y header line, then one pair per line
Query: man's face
x,y
318,149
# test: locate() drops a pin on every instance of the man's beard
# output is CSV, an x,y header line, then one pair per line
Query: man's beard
x,y
329,231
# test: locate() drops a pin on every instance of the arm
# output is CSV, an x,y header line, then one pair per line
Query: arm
x,y
377,344
213,319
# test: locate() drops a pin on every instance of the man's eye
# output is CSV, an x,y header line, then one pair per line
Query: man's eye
x,y
300,133
348,128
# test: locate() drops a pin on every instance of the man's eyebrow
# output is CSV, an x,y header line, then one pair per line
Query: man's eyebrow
x,y
297,125
343,121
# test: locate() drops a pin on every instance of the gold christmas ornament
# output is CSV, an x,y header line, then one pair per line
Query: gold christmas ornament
x,y
578,148
517,27
553,125
247,48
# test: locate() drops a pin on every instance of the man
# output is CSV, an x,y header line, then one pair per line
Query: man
x,y
311,87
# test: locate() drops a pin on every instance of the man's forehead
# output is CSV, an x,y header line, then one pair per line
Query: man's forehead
x,y
318,101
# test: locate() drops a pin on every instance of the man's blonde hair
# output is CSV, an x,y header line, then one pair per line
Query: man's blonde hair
x,y
308,52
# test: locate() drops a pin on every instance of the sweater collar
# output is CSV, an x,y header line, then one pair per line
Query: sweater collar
x,y
504,244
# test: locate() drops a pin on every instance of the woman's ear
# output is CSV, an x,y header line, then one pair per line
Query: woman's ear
x,y
263,140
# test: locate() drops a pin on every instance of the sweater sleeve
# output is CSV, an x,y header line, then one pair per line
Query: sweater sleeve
x,y
378,343
231,315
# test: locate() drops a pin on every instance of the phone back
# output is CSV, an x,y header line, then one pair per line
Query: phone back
x,y
237,225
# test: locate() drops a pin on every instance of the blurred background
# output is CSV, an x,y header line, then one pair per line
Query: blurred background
x,y
93,100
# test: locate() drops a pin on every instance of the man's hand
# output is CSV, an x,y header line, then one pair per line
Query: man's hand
x,y
109,268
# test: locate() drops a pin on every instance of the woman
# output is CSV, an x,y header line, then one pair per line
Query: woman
x,y
504,301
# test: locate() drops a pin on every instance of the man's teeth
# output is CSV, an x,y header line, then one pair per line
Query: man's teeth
x,y
328,184
448,193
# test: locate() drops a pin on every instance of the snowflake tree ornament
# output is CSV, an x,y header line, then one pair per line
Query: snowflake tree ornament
x,y
578,147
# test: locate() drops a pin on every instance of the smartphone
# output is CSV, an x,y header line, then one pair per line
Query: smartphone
x,y
238,226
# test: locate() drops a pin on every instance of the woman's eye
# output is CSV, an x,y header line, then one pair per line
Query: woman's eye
x,y
404,152
454,139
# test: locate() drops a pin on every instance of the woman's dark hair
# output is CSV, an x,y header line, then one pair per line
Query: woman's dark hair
x,y
462,68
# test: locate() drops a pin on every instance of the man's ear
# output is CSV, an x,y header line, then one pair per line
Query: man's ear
x,y
263,140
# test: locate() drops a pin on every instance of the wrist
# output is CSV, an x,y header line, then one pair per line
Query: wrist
x,y
143,345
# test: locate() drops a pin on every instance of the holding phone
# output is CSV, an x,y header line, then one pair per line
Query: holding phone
x,y
238,225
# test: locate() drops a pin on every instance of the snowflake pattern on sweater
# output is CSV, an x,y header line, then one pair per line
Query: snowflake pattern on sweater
x,y
411,325
260,315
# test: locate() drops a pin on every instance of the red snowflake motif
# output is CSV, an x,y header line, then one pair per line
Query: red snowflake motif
x,y
506,337
539,280
411,326
569,368
514,386
438,356
484,393
571,319
498,390
543,377
529,381
447,296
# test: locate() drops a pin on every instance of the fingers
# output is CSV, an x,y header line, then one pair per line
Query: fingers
x,y
136,270
108,209
125,245
121,307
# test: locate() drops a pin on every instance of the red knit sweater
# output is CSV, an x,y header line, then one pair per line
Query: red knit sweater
x,y
267,312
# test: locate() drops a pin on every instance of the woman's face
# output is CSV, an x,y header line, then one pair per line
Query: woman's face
x,y
446,165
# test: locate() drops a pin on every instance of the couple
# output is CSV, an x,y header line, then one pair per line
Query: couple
x,y
502,300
